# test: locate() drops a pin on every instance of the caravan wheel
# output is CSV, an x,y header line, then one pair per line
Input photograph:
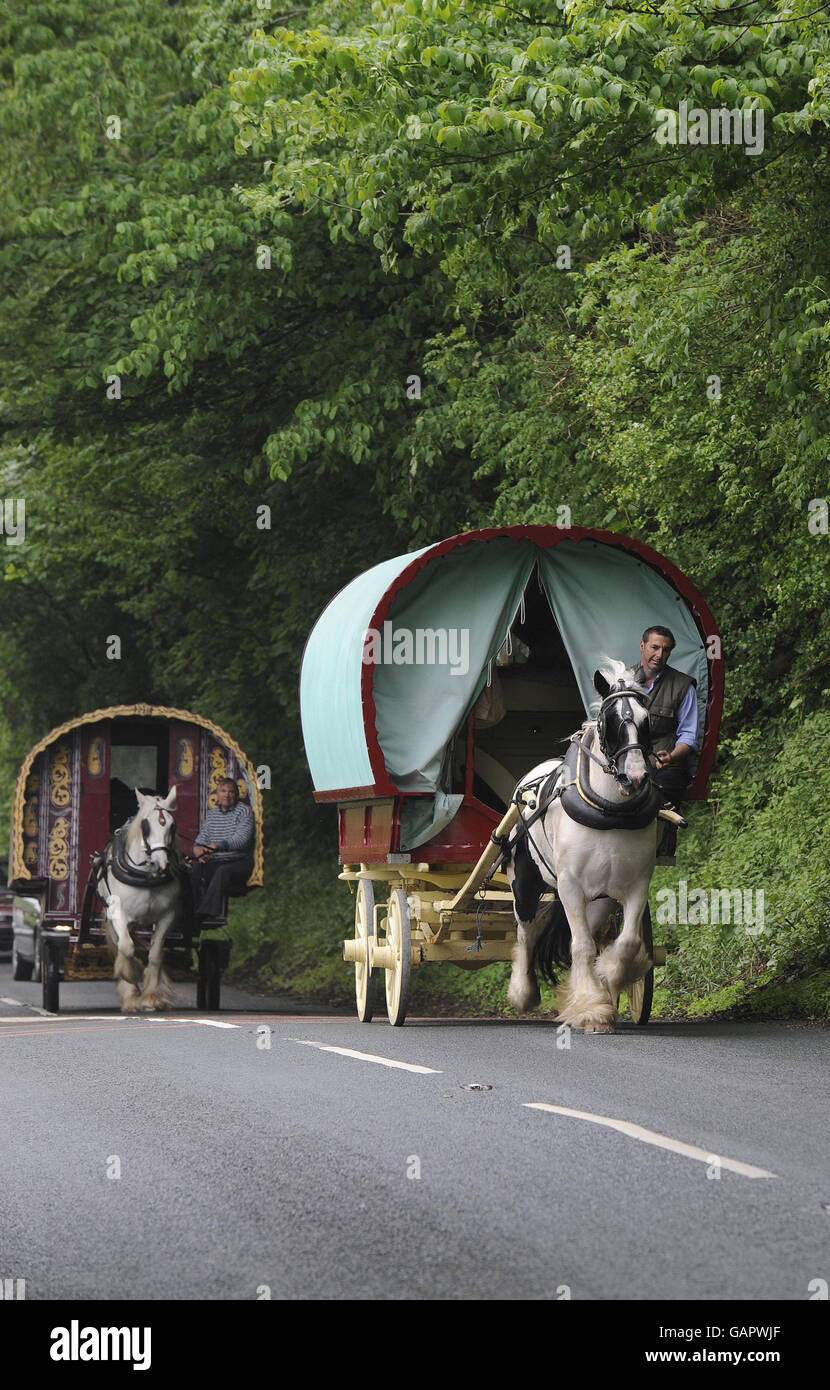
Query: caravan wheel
x,y
22,967
398,968
364,935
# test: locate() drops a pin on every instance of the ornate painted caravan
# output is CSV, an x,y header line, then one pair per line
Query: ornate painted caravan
x,y
74,788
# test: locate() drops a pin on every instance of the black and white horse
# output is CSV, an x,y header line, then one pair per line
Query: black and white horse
x,y
603,859
139,882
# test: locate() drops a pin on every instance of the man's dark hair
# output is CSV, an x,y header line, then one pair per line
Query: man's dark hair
x,y
661,632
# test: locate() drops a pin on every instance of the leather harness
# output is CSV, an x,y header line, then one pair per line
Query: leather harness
x,y
592,810
114,859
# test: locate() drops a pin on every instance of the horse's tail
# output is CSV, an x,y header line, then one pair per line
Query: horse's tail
x,y
553,944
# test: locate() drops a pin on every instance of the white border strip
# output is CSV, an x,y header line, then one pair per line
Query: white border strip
x,y
650,1136
366,1057
44,1014
119,1018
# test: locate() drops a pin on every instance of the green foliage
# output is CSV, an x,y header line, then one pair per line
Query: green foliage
x,y
296,214
764,828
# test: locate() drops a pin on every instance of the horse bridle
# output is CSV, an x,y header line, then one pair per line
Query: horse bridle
x,y
150,850
611,759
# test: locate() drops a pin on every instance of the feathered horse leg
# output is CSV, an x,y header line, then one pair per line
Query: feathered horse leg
x,y
126,970
626,959
527,886
586,1003
523,991
157,989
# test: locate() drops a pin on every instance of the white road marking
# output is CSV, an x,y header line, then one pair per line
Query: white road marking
x,y
118,1018
69,1018
205,1022
366,1056
650,1136
14,1002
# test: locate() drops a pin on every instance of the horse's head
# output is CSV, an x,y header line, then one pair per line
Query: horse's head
x,y
158,828
623,726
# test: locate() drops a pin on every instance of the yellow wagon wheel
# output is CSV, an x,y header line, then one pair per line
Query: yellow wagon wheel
x,y
641,993
399,957
364,932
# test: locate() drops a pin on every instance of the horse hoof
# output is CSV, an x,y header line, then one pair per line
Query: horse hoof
x,y
151,1003
599,1028
524,1003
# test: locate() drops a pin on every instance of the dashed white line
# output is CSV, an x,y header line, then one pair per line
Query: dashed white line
x,y
650,1136
204,1022
366,1057
14,1002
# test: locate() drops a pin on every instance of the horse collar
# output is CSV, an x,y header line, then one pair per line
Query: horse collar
x,y
134,875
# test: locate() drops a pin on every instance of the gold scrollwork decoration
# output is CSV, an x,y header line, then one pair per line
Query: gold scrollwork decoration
x,y
96,757
59,849
218,770
60,792
184,759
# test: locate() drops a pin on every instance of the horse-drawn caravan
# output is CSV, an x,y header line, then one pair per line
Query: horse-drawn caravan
x,y
75,791
432,683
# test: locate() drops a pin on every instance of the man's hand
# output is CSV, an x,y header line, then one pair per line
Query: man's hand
x,y
203,851
663,756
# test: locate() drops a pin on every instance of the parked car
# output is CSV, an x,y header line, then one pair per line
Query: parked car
x,y
6,927
25,914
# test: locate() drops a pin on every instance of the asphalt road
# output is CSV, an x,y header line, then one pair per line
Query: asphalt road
x,y
170,1158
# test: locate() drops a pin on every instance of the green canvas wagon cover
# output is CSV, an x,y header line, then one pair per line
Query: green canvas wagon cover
x,y
395,665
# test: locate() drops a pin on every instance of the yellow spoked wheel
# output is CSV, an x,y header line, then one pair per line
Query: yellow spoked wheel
x,y
398,957
364,931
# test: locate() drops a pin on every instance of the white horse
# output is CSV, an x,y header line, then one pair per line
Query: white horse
x,y
141,887
593,870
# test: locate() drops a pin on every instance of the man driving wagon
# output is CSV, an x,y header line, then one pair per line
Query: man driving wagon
x,y
222,851
673,719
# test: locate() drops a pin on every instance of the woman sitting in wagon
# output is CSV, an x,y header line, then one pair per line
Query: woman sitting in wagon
x,y
223,851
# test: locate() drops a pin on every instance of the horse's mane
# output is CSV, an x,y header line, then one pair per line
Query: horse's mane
x,y
613,671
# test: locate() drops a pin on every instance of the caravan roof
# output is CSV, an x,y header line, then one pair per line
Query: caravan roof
x,y
399,657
